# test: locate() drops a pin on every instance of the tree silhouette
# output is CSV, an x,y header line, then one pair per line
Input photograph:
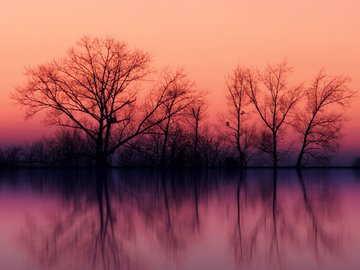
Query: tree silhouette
x,y
321,121
194,118
179,96
242,137
94,88
273,99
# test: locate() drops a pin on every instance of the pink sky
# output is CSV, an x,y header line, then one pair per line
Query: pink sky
x,y
207,38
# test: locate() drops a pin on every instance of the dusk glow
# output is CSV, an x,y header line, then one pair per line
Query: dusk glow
x,y
179,135
207,38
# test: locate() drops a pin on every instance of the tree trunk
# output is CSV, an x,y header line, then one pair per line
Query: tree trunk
x,y
196,142
101,160
275,158
300,157
242,161
101,157
164,146
302,151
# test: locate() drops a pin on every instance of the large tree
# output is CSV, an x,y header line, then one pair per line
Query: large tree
x,y
320,121
274,99
94,88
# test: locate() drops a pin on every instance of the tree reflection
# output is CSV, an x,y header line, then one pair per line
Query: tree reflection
x,y
106,239
84,232
97,228
117,219
237,237
278,220
319,215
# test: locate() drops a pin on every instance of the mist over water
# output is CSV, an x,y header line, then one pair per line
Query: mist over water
x,y
149,219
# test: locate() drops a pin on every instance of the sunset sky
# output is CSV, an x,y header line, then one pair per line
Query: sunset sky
x,y
207,38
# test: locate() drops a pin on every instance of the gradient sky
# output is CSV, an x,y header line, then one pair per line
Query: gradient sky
x,y
208,38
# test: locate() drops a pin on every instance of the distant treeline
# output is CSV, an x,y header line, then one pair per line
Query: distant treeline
x,y
70,149
97,97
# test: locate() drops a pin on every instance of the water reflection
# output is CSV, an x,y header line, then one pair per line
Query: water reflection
x,y
279,217
149,219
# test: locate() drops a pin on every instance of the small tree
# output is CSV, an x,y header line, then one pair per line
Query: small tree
x,y
195,115
237,99
274,99
321,121
178,93
242,137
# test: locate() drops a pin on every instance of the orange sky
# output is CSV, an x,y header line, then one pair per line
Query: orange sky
x,y
208,38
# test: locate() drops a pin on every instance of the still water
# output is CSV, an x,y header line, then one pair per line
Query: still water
x,y
121,219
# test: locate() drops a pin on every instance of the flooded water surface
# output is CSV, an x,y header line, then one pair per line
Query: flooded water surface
x,y
145,219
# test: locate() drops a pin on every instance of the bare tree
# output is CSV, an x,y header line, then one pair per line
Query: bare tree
x,y
195,115
179,95
321,121
93,89
273,99
242,137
